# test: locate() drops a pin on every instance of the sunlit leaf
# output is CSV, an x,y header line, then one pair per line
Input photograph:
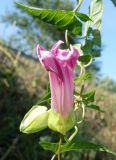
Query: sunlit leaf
x,y
92,43
60,18
83,77
95,12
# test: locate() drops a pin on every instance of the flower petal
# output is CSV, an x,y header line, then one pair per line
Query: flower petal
x,y
68,56
60,64
49,61
55,47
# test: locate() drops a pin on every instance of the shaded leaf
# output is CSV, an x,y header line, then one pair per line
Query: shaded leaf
x,y
49,146
75,146
83,17
85,58
89,97
45,98
76,93
60,18
93,106
80,145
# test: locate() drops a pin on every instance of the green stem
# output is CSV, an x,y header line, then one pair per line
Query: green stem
x,y
74,134
88,64
53,157
78,5
83,114
59,148
66,38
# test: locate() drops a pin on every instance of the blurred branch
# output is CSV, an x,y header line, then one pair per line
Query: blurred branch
x,y
10,148
5,51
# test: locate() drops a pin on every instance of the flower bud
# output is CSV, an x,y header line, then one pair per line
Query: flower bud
x,y
60,123
35,120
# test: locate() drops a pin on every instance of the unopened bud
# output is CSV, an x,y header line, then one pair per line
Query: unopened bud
x,y
35,120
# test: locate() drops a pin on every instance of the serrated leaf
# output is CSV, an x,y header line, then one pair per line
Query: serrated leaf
x,y
92,43
45,98
83,77
60,18
95,107
95,12
89,97
85,58
75,146
83,17
80,145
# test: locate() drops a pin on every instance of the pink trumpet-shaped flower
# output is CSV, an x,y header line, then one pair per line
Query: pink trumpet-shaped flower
x,y
60,64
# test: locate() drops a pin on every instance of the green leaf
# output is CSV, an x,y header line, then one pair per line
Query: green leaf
x,y
75,146
49,146
83,77
85,58
92,43
93,106
83,17
95,12
76,93
96,37
45,98
60,18
89,97
80,145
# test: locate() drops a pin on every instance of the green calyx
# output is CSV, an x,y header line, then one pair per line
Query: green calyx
x,y
39,118
60,123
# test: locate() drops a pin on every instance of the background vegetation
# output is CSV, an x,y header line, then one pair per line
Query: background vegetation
x,y
23,81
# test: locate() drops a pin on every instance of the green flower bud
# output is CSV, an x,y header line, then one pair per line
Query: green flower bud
x,y
35,120
61,124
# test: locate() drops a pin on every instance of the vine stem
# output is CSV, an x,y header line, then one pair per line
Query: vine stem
x,y
66,38
78,6
74,134
53,157
83,114
59,148
88,64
